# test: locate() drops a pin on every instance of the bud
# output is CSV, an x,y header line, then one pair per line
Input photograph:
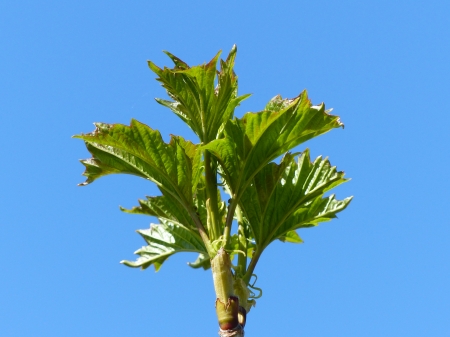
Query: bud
x,y
227,313
222,277
227,305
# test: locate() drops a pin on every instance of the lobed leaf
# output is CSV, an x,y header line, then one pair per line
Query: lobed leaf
x,y
168,210
250,143
137,149
165,240
196,100
165,210
284,197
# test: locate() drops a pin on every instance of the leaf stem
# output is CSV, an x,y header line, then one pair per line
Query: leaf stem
x,y
202,232
252,265
211,190
229,221
242,235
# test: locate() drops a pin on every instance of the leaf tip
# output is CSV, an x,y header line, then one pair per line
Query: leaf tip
x,y
127,263
153,67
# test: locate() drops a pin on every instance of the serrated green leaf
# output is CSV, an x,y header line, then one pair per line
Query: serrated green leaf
x,y
255,140
165,240
165,210
154,254
287,196
137,149
179,64
196,100
103,164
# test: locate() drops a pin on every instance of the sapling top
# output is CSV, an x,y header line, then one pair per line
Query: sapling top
x,y
269,200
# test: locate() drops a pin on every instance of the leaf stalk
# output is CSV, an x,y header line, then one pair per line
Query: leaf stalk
x,y
242,236
211,190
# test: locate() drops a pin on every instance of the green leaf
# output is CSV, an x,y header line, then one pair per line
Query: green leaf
x,y
165,240
202,261
165,210
103,164
196,100
284,197
137,149
291,236
250,143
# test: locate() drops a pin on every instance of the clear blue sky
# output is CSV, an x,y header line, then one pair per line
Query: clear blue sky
x,y
381,269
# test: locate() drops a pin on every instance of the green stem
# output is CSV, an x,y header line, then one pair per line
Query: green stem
x,y
252,265
242,259
202,233
229,221
211,190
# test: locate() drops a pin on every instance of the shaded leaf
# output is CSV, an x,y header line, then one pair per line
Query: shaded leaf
x,y
167,210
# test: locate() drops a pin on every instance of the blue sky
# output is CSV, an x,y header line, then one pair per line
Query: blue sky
x,y
381,269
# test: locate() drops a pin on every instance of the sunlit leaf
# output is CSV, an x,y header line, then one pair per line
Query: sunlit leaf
x,y
256,139
291,236
290,195
165,240
165,210
137,149
202,261
197,100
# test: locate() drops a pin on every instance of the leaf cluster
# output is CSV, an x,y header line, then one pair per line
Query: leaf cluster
x,y
268,201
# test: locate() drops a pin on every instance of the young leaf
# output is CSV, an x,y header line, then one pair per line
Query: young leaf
x,y
202,261
291,236
258,138
138,149
165,240
287,196
165,210
196,100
